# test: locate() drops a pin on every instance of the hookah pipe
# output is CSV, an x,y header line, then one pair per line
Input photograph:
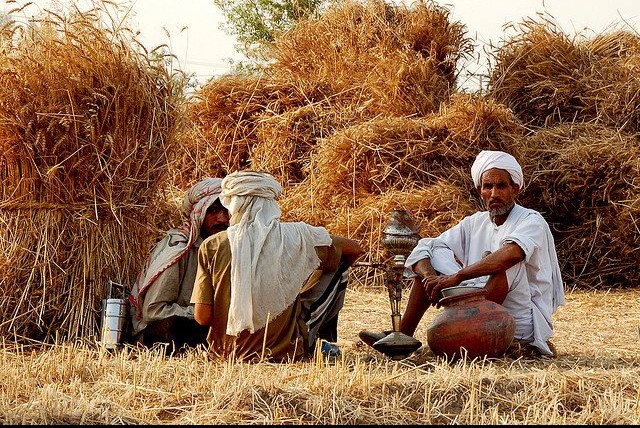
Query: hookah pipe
x,y
398,238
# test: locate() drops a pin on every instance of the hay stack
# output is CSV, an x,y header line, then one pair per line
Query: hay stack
x,y
319,82
287,140
542,74
393,59
393,153
88,125
546,77
224,116
356,62
585,179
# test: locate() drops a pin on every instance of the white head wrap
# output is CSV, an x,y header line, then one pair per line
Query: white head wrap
x,y
179,240
270,260
488,159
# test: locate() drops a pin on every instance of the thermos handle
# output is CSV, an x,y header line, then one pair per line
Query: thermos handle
x,y
123,289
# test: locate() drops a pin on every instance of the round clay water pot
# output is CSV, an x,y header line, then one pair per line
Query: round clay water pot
x,y
471,324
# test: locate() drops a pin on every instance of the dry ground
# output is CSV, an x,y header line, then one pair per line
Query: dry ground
x,y
595,379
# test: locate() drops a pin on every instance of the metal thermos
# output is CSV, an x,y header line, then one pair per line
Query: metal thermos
x,y
115,317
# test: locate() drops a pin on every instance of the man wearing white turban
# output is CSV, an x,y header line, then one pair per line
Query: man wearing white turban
x,y
269,289
508,249
161,312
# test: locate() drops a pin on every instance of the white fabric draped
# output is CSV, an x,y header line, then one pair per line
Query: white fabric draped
x,y
270,260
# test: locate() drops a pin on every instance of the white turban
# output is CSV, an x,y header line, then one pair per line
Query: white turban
x,y
270,260
488,159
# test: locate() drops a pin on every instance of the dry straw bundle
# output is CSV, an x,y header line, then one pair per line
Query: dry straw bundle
x,y
616,99
585,179
547,77
393,59
88,122
287,140
224,116
320,80
542,74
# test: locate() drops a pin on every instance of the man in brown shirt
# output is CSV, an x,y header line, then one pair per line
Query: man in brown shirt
x,y
269,289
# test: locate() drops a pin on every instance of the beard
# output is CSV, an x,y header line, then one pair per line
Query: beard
x,y
493,212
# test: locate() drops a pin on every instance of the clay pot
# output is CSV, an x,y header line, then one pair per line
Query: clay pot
x,y
471,324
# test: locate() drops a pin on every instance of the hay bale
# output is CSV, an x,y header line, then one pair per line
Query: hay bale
x,y
614,44
478,123
224,116
541,73
379,155
585,179
287,140
547,77
393,59
393,153
320,82
89,122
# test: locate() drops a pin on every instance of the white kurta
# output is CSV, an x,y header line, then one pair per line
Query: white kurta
x,y
535,284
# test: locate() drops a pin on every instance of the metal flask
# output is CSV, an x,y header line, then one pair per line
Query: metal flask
x,y
115,317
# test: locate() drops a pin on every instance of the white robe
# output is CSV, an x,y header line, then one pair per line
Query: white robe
x,y
535,284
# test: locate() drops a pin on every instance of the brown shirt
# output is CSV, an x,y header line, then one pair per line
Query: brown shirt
x,y
283,338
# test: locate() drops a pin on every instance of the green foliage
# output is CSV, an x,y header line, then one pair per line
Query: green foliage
x,y
256,23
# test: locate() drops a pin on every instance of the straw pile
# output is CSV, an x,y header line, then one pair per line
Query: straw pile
x,y
395,60
359,175
319,82
585,179
223,118
581,98
88,123
547,77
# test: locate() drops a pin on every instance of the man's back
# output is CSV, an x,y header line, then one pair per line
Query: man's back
x,y
285,334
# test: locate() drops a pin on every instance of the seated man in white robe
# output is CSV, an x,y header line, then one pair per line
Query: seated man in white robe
x,y
507,248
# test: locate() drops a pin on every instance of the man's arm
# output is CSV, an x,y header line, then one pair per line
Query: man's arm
x,y
497,262
160,299
202,296
330,256
423,268
350,249
203,314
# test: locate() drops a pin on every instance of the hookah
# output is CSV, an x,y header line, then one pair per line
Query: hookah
x,y
399,237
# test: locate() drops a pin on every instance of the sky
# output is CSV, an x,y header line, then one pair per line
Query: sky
x,y
191,28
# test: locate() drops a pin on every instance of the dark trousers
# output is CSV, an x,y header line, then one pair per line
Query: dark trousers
x,y
322,303
175,332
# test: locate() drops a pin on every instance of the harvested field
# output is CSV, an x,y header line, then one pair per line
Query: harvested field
x,y
594,380
357,115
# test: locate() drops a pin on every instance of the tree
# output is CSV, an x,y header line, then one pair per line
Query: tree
x,y
256,23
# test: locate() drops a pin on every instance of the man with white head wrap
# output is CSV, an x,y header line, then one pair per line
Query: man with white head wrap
x,y
160,299
507,248
269,289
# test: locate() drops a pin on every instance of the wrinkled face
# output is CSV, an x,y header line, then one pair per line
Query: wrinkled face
x,y
498,191
216,220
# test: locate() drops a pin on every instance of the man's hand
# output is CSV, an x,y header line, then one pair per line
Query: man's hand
x,y
433,284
